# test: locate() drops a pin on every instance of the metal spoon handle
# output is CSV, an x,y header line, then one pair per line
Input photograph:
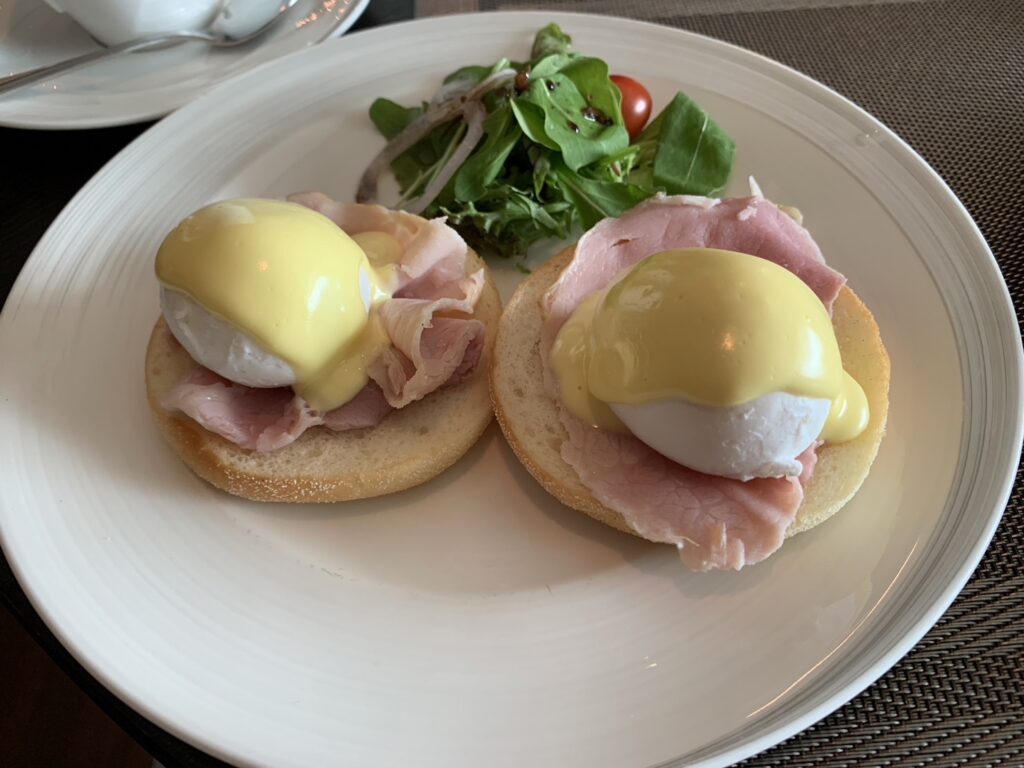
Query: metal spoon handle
x,y
21,79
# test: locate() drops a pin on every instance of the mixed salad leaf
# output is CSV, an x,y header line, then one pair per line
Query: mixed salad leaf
x,y
522,151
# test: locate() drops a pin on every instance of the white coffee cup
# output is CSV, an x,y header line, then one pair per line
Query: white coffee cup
x,y
117,21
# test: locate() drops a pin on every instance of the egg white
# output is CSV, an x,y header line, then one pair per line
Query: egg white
x,y
760,438
220,346
226,350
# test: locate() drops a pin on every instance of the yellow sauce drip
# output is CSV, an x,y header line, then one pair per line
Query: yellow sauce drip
x,y
793,213
710,327
384,252
340,380
292,280
849,414
569,361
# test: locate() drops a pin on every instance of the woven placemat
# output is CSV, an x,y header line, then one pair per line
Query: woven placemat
x,y
949,78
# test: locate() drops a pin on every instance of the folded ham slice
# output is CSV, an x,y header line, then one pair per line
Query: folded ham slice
x,y
434,254
266,419
717,522
431,278
430,348
426,349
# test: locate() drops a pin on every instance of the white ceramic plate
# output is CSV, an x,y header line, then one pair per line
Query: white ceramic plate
x,y
140,86
473,621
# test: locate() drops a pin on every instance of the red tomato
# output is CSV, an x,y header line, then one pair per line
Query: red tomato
x,y
636,104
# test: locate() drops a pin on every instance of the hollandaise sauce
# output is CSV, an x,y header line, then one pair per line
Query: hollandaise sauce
x,y
293,281
570,358
711,327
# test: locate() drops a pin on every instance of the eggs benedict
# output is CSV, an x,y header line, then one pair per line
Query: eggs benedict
x,y
694,373
723,362
310,350
302,289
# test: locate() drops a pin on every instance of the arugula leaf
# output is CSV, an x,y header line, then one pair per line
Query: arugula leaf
x,y
415,167
594,199
411,166
580,106
550,40
646,145
556,155
687,153
531,120
487,162
391,118
472,74
506,220
541,169
617,167
409,171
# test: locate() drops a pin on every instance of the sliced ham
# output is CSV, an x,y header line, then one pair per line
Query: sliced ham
x,y
259,419
395,370
470,360
750,225
426,349
429,348
266,419
717,522
434,255
367,409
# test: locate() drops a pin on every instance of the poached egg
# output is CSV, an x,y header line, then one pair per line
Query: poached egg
x,y
268,293
721,361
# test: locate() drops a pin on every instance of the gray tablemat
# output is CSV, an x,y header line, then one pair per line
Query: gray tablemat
x,y
949,78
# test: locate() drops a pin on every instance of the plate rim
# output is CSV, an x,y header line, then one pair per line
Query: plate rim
x,y
820,91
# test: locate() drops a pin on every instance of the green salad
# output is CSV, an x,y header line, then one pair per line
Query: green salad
x,y
521,151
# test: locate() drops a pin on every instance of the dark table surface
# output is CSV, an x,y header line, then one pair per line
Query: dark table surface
x,y
947,75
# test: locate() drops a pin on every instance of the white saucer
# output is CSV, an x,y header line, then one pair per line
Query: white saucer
x,y
141,86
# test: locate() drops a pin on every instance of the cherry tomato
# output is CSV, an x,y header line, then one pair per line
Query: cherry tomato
x,y
636,104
